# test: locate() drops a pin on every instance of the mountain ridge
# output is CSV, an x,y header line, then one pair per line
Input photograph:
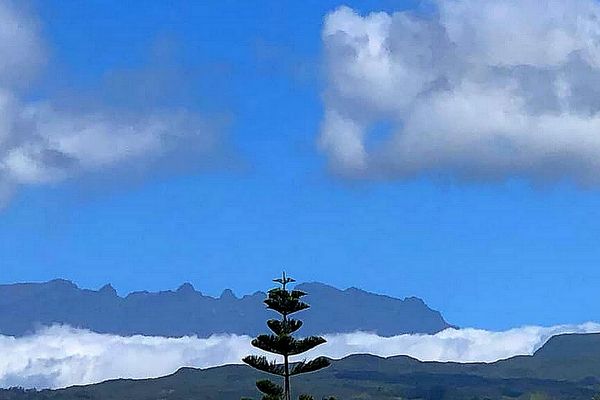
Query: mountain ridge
x,y
24,307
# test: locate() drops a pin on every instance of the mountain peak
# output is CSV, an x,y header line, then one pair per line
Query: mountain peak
x,y
414,300
186,288
62,284
312,287
108,290
227,295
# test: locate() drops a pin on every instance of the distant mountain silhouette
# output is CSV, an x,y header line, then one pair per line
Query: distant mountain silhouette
x,y
25,307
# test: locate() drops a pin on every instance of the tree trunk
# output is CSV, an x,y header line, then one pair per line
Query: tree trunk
x,y
286,363
286,382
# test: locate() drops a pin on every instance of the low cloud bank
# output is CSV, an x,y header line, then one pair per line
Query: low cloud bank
x,y
461,345
61,356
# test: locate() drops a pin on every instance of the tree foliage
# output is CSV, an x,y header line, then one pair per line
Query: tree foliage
x,y
281,341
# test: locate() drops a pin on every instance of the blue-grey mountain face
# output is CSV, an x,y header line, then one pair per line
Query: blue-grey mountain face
x,y
26,307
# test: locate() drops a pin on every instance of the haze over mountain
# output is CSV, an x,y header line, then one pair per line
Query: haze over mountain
x,y
25,307
566,367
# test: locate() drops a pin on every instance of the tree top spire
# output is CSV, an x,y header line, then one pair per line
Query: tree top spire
x,y
284,280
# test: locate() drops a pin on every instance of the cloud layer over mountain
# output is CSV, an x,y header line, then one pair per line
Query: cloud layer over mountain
x,y
61,356
469,89
43,141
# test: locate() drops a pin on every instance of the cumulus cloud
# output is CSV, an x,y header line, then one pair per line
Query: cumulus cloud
x,y
44,142
61,356
470,90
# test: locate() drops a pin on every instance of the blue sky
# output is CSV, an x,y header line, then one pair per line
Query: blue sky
x,y
493,253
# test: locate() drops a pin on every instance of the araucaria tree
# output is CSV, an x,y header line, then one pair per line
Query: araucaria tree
x,y
285,302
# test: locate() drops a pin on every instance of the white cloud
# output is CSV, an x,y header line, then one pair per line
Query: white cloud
x,y
45,142
472,90
60,356
461,345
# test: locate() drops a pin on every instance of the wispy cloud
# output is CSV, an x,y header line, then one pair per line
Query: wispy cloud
x,y
61,356
469,89
47,141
